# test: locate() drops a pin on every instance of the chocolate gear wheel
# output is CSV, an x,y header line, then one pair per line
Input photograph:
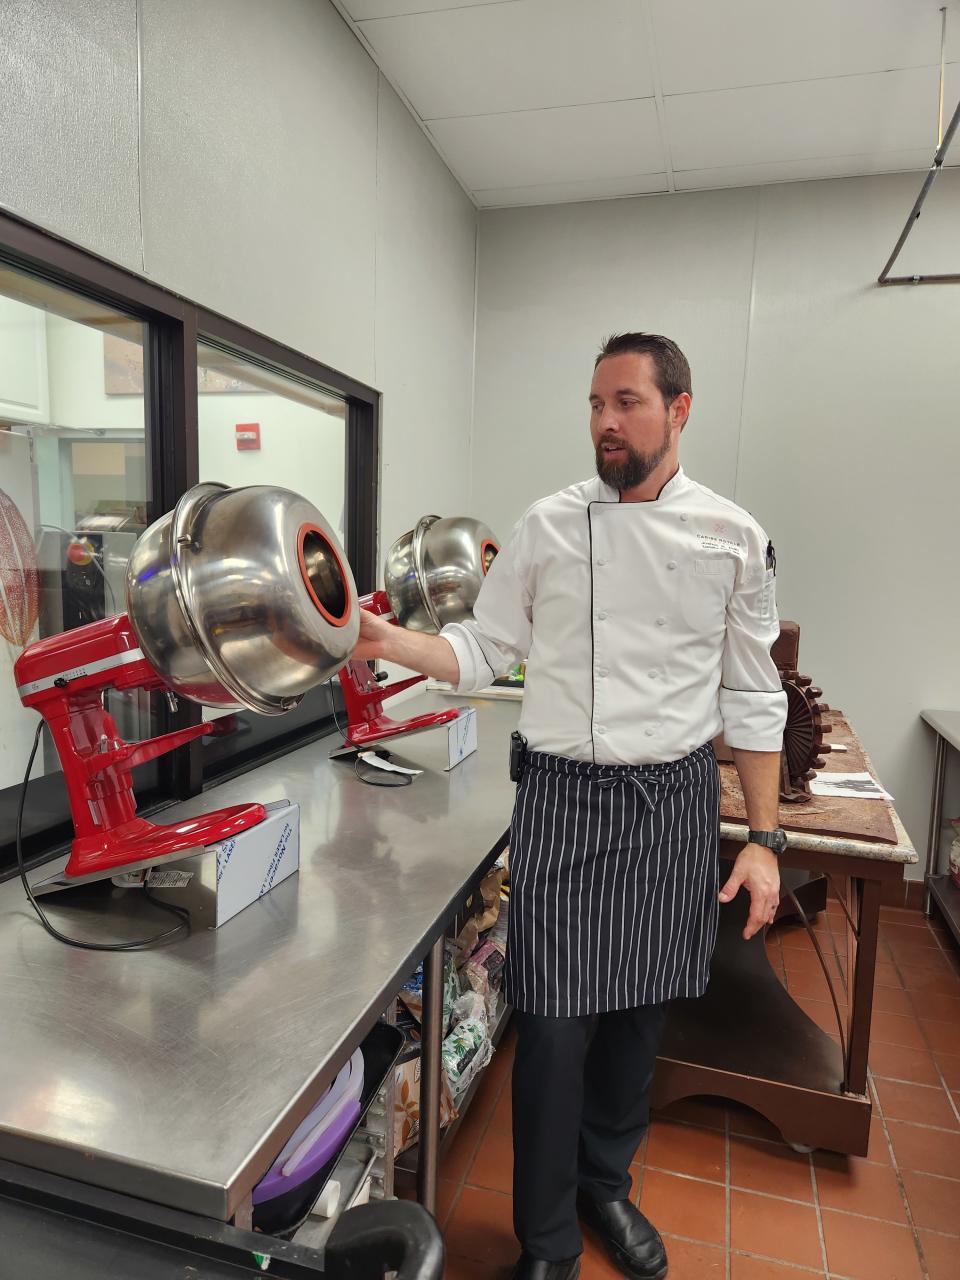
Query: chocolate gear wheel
x,y
802,736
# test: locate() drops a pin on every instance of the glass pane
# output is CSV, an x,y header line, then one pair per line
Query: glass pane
x,y
260,426
73,501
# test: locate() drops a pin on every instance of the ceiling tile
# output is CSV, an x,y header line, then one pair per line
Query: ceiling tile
x,y
852,115
567,144
360,9
801,170
705,45
514,57
567,192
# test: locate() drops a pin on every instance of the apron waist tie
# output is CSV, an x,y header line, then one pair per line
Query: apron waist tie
x,y
611,780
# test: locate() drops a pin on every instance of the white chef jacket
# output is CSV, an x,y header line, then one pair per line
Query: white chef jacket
x,y
646,626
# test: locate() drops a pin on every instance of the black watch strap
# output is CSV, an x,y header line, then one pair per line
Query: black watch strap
x,y
775,840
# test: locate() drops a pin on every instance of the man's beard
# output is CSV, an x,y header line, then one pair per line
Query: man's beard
x,y
635,468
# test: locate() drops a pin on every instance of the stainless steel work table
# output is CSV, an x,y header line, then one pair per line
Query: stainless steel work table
x,y
176,1074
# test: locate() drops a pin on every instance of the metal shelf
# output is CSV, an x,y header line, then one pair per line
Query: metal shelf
x,y
407,1161
947,897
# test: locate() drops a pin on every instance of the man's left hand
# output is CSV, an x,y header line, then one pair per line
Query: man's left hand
x,y
756,868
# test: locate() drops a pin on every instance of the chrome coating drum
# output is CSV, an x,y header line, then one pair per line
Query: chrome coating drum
x,y
434,573
243,597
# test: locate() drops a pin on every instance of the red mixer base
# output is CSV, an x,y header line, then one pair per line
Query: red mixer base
x,y
137,844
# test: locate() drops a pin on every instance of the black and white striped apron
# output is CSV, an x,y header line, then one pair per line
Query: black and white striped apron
x,y
613,883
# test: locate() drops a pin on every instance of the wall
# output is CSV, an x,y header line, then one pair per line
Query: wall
x,y
260,165
825,405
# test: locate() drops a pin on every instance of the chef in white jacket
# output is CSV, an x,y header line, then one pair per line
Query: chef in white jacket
x,y
644,604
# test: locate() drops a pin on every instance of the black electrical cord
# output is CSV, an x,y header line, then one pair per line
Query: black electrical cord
x,y
181,912
376,777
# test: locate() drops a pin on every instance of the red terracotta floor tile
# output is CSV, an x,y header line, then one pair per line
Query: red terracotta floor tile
x,y
481,1228
685,1148
466,1269
458,1157
931,1004
894,1062
594,1264
857,1186
887,975
502,1117
942,1037
917,1103
940,1254
894,1028
744,1268
878,1149
684,1206
776,1229
492,1166
898,935
949,1064
893,1000
689,1261
770,1167
447,1193
925,1150
813,986
821,1012
869,1250
934,1203
938,979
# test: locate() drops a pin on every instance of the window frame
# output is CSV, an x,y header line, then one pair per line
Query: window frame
x,y
173,327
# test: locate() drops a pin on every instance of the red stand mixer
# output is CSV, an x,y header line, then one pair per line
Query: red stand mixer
x,y
433,575
239,598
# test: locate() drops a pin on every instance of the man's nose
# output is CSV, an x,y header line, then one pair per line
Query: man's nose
x,y
609,421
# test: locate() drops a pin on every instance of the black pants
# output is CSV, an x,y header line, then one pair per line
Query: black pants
x,y
581,1089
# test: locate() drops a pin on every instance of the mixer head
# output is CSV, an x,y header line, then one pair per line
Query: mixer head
x,y
237,598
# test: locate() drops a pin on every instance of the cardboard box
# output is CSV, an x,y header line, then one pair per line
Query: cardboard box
x,y
219,883
462,736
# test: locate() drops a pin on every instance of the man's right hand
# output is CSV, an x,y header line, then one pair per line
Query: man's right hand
x,y
430,655
375,636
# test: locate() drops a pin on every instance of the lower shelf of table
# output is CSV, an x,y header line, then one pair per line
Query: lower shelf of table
x,y
947,897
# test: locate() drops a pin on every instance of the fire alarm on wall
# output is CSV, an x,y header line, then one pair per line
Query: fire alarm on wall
x,y
248,435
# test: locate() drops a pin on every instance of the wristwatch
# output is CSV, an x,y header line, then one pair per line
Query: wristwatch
x,y
775,840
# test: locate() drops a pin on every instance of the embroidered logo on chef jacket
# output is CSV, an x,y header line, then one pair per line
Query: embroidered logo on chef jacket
x,y
713,542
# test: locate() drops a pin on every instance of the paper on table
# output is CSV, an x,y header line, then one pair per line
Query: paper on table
x,y
862,786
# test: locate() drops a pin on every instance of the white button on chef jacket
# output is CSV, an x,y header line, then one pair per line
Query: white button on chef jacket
x,y
689,597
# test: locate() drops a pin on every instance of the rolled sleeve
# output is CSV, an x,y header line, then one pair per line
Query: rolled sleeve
x,y
753,705
498,636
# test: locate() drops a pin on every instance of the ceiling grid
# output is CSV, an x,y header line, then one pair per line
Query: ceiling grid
x,y
546,101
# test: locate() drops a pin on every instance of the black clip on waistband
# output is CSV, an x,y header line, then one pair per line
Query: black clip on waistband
x,y
518,755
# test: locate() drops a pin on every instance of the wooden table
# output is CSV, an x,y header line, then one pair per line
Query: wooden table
x,y
746,1039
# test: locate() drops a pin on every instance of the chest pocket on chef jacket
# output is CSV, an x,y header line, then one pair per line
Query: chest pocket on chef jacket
x,y
705,590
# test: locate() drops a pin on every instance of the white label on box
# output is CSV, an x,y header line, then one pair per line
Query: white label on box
x,y
250,864
462,736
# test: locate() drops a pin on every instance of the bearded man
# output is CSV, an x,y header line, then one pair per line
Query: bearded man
x,y
644,604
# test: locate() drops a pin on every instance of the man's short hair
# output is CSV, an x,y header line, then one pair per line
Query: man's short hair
x,y
671,371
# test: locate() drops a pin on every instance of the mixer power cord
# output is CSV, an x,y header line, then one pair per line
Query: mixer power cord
x,y
373,778
182,914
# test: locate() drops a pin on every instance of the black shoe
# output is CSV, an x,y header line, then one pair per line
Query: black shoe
x,y
632,1242
539,1269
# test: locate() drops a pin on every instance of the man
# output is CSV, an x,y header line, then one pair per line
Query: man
x,y
644,604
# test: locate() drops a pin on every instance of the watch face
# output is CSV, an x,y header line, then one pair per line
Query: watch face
x,y
779,840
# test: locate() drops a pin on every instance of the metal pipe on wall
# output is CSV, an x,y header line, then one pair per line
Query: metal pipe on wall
x,y
885,277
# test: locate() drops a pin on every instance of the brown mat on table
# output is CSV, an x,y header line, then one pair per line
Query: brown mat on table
x,y
849,817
